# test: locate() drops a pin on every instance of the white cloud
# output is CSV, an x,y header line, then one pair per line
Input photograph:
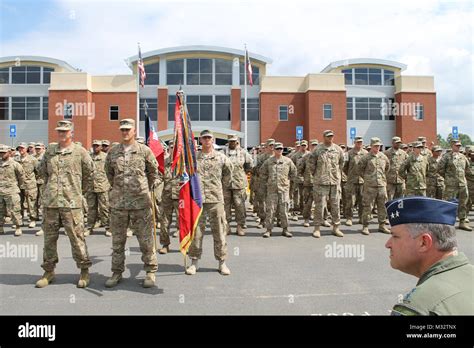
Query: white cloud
x,y
431,37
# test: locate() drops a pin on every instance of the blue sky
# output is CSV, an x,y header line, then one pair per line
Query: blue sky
x,y
431,37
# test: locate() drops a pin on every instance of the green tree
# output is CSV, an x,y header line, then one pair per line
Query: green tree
x,y
464,138
442,142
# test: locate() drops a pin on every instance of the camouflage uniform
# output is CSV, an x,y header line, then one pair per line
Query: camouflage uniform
x,y
169,202
454,166
414,170
66,172
326,163
12,175
131,172
395,183
434,181
29,190
305,172
261,191
276,175
235,195
98,196
298,180
374,169
215,172
354,183
470,184
40,186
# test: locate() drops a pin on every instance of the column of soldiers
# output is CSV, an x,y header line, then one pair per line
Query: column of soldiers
x,y
118,185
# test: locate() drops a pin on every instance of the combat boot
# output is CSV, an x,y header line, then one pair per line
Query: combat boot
x,y
267,234
240,230
114,280
383,229
337,232
326,223
39,233
108,233
84,280
149,281
260,226
164,250
285,233
464,226
88,232
129,232
365,230
316,232
223,269
18,231
191,270
45,280
306,223
295,217
32,224
8,220
348,222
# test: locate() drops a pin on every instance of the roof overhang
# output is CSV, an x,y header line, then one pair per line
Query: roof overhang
x,y
39,59
354,61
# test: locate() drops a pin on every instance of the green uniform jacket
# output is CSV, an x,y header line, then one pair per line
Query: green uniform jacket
x,y
276,174
414,170
453,167
446,288
12,176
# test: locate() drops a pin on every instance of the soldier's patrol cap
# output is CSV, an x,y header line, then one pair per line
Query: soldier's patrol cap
x,y
278,146
328,133
314,142
22,145
421,210
455,142
97,142
270,141
297,143
206,133
105,143
437,148
375,141
404,146
31,144
4,148
262,144
421,139
64,125
358,138
127,123
396,140
417,144
140,140
343,146
39,145
304,143
233,137
469,149
410,144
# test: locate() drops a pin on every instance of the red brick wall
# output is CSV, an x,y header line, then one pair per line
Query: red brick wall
x,y
162,109
407,127
235,109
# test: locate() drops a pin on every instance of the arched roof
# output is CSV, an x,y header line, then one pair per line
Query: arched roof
x,y
354,61
39,59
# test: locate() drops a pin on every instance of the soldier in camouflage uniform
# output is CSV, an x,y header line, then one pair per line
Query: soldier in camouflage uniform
x,y
425,151
67,170
298,181
215,172
305,172
132,170
326,164
39,148
276,173
98,196
29,190
396,156
261,190
294,184
343,183
105,146
434,181
414,171
254,182
355,182
12,175
235,195
374,168
470,176
454,166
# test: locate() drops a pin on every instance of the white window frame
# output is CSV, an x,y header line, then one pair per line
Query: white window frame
x,y
419,110
324,109
287,113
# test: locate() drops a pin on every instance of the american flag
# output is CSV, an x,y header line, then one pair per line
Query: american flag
x,y
141,68
248,67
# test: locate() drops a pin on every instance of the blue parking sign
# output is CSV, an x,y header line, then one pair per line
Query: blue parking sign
x,y
455,132
13,131
353,132
299,132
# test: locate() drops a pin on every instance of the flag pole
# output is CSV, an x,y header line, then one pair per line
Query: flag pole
x,y
245,98
138,97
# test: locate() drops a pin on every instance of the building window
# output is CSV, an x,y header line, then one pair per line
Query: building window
x,y
349,109
68,111
114,112
4,75
199,71
152,108
283,113
152,74
389,78
327,111
223,72
419,112
4,104
175,72
26,74
222,108
171,106
253,109
368,108
45,107
255,74
47,75
26,108
200,107
367,77
347,76
388,108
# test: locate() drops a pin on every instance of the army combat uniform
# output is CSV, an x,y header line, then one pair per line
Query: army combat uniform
x,y
305,172
169,204
395,183
414,170
29,190
354,183
434,181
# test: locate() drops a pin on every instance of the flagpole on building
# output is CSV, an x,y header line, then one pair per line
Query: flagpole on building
x,y
138,96
245,98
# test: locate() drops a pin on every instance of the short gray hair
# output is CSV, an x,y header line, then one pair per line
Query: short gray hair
x,y
444,235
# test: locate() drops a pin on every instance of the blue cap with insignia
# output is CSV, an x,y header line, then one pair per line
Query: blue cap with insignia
x,y
422,210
